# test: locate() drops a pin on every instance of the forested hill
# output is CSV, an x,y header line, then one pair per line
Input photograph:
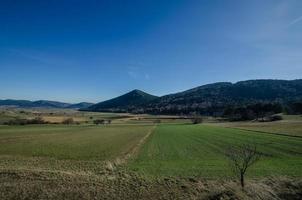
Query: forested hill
x,y
211,98
124,103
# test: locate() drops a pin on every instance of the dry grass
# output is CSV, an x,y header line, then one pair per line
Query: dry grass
x,y
121,185
59,119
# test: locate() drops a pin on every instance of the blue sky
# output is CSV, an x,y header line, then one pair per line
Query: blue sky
x,y
93,50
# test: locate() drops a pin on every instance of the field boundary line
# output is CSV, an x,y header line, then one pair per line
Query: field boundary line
x,y
279,134
123,159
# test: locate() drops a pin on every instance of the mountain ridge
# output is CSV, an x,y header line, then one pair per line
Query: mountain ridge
x,y
204,99
215,97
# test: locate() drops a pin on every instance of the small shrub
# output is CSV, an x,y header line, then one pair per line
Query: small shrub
x,y
98,121
157,121
68,121
101,121
241,159
196,120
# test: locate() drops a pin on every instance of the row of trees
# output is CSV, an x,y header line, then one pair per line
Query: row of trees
x,y
18,121
101,121
237,110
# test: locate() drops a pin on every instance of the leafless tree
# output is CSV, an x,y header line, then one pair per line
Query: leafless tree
x,y
241,158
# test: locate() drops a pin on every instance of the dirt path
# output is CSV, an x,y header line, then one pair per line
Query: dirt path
x,y
124,158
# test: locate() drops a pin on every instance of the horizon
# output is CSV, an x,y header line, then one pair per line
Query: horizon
x,y
136,89
96,50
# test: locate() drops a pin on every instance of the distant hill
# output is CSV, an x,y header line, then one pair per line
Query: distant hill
x,y
124,103
19,103
42,104
49,104
81,105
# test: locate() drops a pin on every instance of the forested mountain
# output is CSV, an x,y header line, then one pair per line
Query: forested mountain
x,y
124,103
210,99
214,98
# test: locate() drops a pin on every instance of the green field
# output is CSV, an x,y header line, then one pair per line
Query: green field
x,y
143,157
72,142
171,150
198,150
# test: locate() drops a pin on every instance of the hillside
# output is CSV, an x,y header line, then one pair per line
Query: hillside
x,y
211,98
125,103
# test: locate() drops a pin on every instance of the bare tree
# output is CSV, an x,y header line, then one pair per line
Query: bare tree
x,y
242,158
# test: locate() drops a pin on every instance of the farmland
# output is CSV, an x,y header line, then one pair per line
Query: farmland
x,y
198,150
80,143
140,156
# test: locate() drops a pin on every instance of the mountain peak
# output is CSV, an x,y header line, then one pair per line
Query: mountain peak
x,y
136,91
124,102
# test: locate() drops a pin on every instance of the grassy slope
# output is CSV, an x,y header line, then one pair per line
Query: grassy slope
x,y
69,142
186,150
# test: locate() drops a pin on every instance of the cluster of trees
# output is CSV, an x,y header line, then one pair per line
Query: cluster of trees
x,y
247,110
101,121
293,108
258,111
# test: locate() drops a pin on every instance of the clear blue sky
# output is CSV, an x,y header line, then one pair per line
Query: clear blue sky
x,y
93,50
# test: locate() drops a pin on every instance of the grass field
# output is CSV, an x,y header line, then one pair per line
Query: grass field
x,y
198,150
70,142
129,159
